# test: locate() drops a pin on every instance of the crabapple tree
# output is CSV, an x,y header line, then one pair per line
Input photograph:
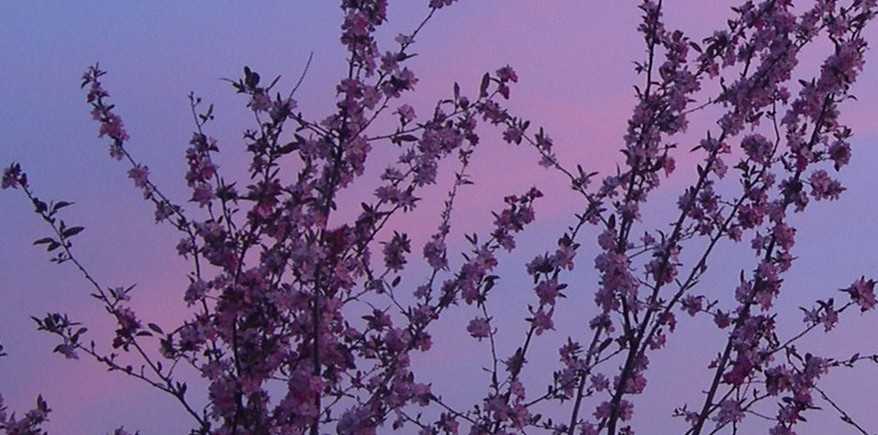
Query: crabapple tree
x,y
307,320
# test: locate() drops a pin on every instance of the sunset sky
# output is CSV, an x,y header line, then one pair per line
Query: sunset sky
x,y
574,60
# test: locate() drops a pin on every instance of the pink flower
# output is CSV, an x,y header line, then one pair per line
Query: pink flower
x,y
202,194
260,102
507,74
729,412
823,186
434,252
395,250
863,293
722,319
692,304
513,134
163,211
548,291
140,175
599,382
406,113
757,147
479,328
13,177
542,320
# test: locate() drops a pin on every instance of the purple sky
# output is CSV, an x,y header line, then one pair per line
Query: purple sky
x,y
574,59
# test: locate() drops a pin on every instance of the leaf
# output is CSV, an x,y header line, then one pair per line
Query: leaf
x,y
41,404
39,206
405,138
72,231
483,89
251,78
43,241
489,284
288,148
60,204
155,328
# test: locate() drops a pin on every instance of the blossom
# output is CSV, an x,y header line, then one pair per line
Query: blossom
x,y
479,328
862,292
395,250
823,186
729,412
406,113
260,102
692,304
542,320
507,74
757,147
13,177
139,174
202,194
434,252
548,291
128,324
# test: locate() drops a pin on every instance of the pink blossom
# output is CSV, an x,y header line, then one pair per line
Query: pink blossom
x,y
260,102
729,412
406,113
542,320
434,252
862,292
13,177
548,291
202,194
479,328
692,304
824,187
507,74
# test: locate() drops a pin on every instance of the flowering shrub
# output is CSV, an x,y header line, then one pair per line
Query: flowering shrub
x,y
304,322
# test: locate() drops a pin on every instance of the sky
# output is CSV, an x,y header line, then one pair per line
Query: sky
x,y
574,59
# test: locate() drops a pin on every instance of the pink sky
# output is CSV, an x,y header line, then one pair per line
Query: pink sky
x,y
574,59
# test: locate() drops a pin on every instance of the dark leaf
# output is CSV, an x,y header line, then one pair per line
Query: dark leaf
x,y
40,206
61,204
405,138
483,89
72,231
